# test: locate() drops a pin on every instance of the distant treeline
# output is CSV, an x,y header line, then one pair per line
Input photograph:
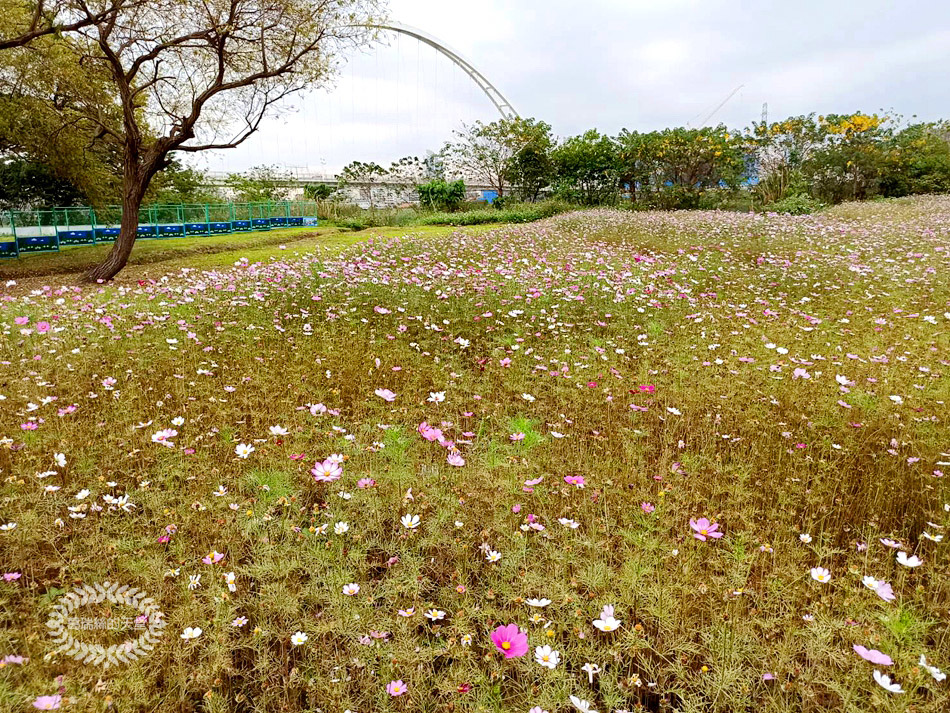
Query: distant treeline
x,y
796,165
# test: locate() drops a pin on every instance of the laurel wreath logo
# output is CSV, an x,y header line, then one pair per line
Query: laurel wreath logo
x,y
116,654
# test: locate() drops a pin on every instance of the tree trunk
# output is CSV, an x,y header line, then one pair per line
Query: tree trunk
x,y
134,185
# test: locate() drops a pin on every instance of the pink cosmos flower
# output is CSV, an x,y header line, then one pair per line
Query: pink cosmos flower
x,y
516,437
327,471
510,641
703,529
42,328
885,592
48,703
647,507
365,483
385,394
21,320
11,576
873,655
429,433
577,480
455,459
396,688
212,557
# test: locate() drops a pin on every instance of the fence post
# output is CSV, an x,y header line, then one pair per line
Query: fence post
x,y
16,243
207,219
92,224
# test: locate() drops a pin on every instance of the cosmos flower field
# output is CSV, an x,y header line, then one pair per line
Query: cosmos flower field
x,y
605,462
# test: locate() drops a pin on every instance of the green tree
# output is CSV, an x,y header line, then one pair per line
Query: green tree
x,y
29,185
188,76
363,175
439,195
917,160
503,153
780,150
531,168
587,169
849,163
673,168
259,184
181,184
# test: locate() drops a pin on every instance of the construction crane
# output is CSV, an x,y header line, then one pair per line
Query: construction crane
x,y
719,106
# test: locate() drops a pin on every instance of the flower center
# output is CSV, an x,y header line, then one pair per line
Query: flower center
x,y
505,645
703,532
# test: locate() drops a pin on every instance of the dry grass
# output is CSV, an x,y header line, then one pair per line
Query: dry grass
x,y
783,377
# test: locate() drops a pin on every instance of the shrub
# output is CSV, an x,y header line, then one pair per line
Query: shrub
x,y
798,204
441,195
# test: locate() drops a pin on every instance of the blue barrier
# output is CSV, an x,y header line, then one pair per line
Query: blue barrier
x,y
76,237
64,222
38,244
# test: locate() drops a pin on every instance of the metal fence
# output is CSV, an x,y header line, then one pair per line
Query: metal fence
x,y
31,231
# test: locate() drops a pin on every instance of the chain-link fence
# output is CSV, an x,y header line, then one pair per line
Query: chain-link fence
x,y
28,231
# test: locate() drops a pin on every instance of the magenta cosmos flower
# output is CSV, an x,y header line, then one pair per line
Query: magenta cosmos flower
x,y
703,529
510,641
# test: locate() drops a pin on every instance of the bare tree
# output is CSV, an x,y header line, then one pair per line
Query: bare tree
x,y
193,75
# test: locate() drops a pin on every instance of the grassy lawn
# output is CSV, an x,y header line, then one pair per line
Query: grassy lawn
x,y
156,257
683,462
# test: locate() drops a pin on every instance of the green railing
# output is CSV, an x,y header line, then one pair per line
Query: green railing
x,y
30,231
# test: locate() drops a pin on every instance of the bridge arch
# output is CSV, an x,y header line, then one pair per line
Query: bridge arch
x,y
504,107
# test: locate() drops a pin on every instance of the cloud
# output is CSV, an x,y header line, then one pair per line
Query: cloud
x,y
610,64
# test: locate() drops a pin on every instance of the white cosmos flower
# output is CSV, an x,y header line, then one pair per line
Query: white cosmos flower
x,y
582,705
547,657
298,638
351,589
243,450
674,411
908,561
932,670
607,624
492,556
537,602
527,397
194,581
410,522
591,669
870,582
820,574
60,460
178,421
278,431
341,528
805,537
884,681
191,632
567,522
436,397
435,614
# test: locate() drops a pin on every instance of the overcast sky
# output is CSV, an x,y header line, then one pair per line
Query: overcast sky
x,y
613,64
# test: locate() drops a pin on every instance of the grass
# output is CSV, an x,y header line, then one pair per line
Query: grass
x,y
204,252
784,377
